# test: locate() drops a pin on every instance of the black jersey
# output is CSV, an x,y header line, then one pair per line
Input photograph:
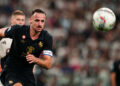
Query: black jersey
x,y
22,43
116,69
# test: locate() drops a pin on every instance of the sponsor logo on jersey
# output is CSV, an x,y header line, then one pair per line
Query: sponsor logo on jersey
x,y
30,49
40,44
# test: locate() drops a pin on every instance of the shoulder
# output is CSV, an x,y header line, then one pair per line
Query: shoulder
x,y
46,33
116,63
15,28
20,28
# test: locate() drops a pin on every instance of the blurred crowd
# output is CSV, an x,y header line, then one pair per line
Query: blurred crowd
x,y
83,56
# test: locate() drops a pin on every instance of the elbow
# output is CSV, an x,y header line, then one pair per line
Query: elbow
x,y
48,66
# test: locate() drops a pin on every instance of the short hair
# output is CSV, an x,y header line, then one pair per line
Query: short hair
x,y
18,12
38,11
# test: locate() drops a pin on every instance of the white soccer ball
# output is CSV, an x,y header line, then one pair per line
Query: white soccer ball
x,y
104,19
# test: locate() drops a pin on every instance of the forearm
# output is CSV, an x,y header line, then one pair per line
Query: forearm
x,y
113,80
2,31
43,63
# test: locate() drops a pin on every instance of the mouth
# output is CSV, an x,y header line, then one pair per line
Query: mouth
x,y
39,28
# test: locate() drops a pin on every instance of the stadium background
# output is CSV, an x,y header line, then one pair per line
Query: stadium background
x,y
82,55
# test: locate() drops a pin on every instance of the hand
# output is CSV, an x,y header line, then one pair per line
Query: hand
x,y
30,58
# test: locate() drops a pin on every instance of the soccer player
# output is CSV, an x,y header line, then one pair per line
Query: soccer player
x,y
115,74
28,43
17,17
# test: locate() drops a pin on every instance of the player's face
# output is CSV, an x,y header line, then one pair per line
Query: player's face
x,y
18,19
37,21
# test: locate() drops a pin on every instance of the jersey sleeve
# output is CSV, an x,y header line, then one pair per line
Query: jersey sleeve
x,y
12,31
48,46
48,43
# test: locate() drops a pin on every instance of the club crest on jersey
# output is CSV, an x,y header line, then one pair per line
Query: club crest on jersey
x,y
23,37
40,44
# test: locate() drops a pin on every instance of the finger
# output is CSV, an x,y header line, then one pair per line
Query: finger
x,y
31,62
28,59
28,56
28,53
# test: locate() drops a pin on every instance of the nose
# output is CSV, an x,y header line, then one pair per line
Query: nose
x,y
39,23
21,22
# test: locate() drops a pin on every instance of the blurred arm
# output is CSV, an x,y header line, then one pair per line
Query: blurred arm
x,y
46,62
2,31
113,80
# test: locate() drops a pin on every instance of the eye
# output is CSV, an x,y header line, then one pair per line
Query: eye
x,y
23,20
37,20
42,20
18,19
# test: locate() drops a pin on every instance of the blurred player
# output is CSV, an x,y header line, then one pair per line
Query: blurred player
x,y
28,43
115,74
17,17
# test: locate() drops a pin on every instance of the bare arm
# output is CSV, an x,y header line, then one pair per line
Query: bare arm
x,y
113,80
2,31
45,62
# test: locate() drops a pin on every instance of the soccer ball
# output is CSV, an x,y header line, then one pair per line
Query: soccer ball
x,y
104,19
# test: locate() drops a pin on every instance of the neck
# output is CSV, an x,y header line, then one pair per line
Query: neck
x,y
34,34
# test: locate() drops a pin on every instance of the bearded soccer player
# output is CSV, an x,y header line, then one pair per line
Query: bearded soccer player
x,y
28,43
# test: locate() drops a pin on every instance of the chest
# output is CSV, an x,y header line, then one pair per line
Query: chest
x,y
25,44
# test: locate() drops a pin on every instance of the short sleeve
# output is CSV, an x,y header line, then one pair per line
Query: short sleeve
x,y
48,42
48,45
11,31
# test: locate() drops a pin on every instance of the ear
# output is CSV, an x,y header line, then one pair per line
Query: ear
x,y
11,21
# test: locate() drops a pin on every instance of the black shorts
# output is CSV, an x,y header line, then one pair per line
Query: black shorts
x,y
9,78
